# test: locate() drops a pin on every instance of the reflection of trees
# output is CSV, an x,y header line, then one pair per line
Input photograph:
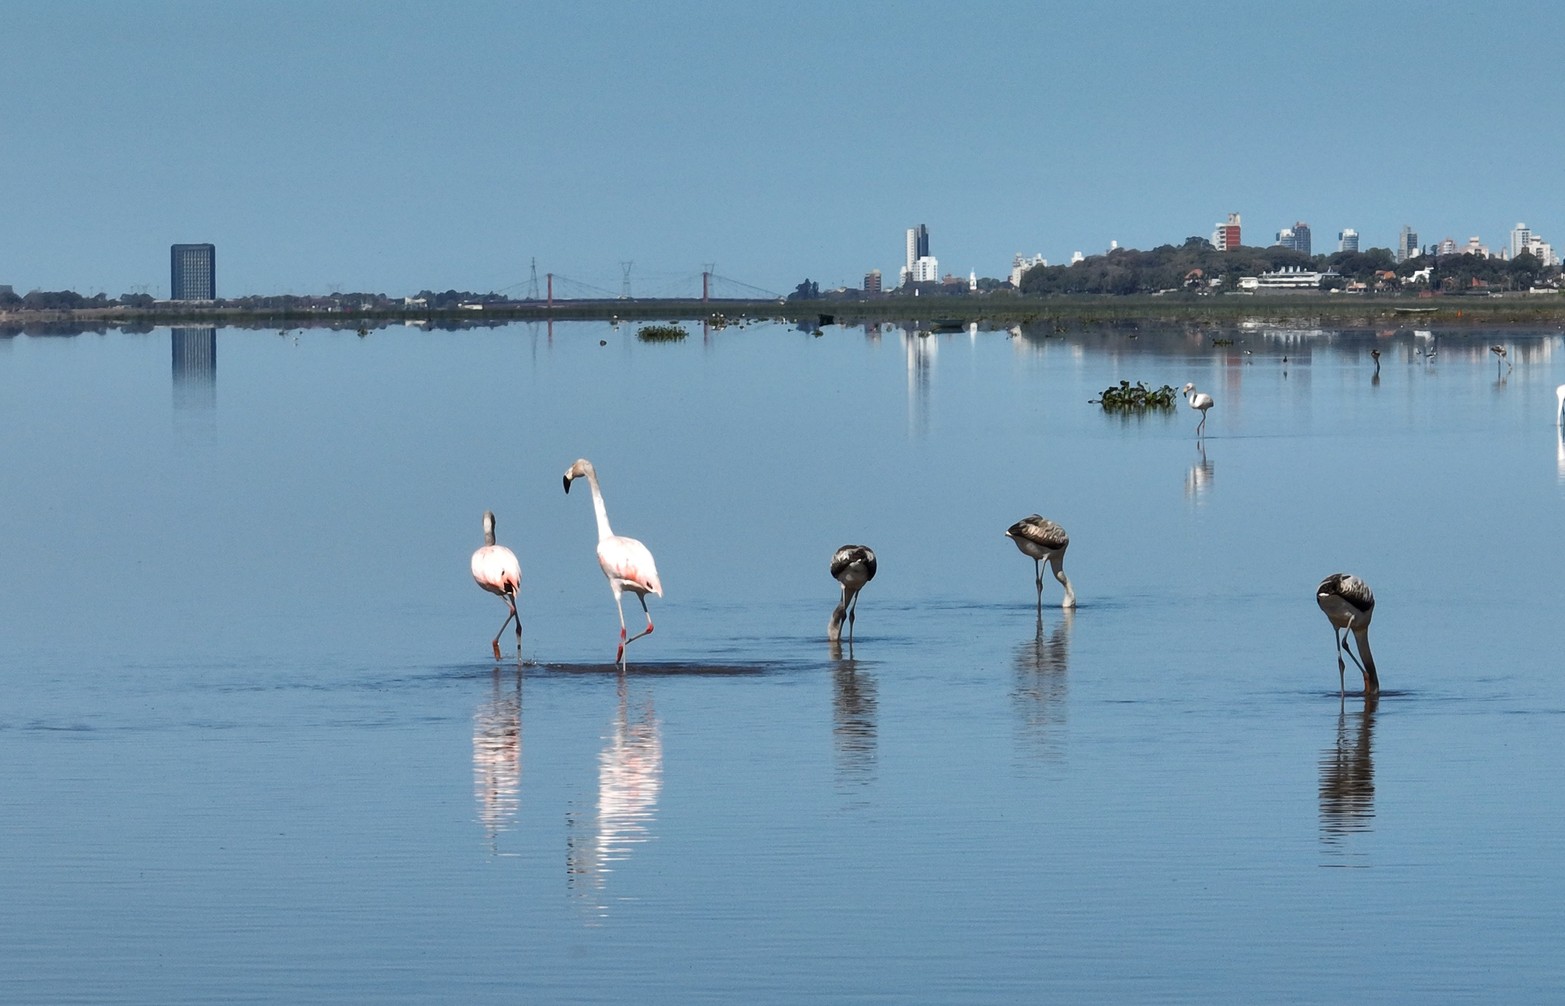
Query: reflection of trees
x,y
1039,693
630,775
497,756
1347,776
854,710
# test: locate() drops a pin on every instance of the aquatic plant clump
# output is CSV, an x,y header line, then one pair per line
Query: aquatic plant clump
x,y
661,333
1136,398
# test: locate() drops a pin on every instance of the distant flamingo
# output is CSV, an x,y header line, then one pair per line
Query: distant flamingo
x,y
1559,416
1198,400
496,570
1499,351
1375,353
852,566
625,561
1349,604
1040,539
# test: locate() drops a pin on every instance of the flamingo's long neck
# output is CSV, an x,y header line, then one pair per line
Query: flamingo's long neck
x,y
1371,678
604,531
1059,574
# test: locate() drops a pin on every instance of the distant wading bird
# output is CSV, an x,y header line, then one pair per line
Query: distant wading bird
x,y
1499,351
1042,539
625,561
1559,415
1198,400
852,566
1350,604
496,570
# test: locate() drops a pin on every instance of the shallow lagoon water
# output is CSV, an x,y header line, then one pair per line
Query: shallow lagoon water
x,y
255,750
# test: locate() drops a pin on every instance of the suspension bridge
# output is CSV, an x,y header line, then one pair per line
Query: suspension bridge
x,y
705,285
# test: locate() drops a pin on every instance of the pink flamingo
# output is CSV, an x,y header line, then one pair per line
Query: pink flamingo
x,y
1202,401
496,570
626,562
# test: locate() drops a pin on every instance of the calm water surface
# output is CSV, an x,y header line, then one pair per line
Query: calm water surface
x,y
254,748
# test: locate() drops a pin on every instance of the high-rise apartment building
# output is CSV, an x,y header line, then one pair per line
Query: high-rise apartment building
x,y
1301,237
1407,244
917,245
1347,240
920,267
193,272
1226,237
1521,235
872,281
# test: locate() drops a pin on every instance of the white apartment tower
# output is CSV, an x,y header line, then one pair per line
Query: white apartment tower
x,y
1521,236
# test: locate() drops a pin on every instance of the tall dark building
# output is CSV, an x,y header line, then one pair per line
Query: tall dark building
x,y
193,272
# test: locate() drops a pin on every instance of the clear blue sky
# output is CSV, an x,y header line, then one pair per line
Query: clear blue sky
x,y
394,146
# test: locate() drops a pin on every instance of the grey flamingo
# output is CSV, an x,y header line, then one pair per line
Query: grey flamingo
x,y
852,566
1349,604
1040,539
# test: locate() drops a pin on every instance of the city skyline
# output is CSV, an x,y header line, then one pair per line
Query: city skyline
x,y
453,153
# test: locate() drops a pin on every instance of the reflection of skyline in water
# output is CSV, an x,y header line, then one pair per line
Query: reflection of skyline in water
x,y
630,776
1347,778
854,709
194,352
1041,685
921,350
497,756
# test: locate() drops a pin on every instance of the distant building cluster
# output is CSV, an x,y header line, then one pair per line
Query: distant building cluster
x,y
921,266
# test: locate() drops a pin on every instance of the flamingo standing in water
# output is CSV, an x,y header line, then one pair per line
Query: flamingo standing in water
x,y
626,562
1198,400
1499,351
1349,604
496,570
852,566
1041,538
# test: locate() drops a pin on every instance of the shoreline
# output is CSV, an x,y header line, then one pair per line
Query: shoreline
x,y
1314,310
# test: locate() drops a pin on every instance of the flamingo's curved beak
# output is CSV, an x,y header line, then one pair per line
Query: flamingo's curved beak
x,y
567,485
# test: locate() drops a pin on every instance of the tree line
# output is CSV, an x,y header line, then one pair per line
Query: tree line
x,y
1196,264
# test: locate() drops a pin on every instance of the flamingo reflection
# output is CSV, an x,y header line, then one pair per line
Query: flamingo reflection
x,y
630,776
1198,480
1347,776
854,708
1039,693
497,756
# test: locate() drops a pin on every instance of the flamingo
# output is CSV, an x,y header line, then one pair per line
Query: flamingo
x,y
1499,352
1198,400
625,561
1375,353
1559,416
496,570
1349,604
1043,539
852,566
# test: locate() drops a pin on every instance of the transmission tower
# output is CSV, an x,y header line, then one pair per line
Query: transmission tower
x,y
532,285
624,292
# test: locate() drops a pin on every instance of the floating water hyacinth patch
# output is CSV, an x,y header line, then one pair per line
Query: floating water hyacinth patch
x,y
661,333
1136,398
